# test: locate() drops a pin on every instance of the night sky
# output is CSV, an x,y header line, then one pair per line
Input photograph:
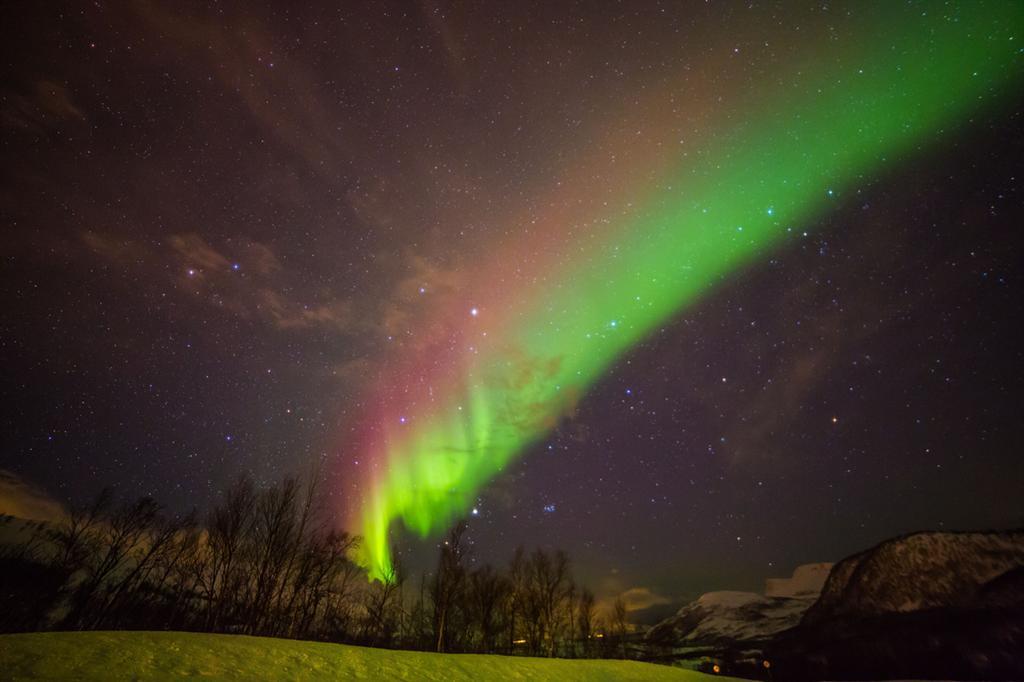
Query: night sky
x,y
248,238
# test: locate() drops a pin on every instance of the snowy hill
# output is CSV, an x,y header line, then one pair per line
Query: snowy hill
x,y
726,618
181,655
729,617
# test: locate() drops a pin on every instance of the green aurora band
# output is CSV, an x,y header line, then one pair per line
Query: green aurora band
x,y
909,79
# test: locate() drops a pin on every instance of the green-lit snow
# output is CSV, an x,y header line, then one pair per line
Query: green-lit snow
x,y
183,655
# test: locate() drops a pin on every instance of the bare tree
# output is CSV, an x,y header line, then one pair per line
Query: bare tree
x,y
303,550
119,536
381,606
519,604
156,545
585,620
323,570
546,590
77,535
275,542
619,626
229,526
570,619
448,584
486,591
419,627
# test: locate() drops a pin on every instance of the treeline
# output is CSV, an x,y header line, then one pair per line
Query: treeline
x,y
533,607
262,562
257,563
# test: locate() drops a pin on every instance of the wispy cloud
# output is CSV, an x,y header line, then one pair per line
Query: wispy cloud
x,y
249,282
198,254
116,249
634,598
21,499
280,93
289,314
45,106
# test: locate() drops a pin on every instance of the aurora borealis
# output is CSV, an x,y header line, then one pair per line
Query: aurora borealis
x,y
696,292
517,364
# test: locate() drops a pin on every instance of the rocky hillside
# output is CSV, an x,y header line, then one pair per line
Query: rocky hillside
x,y
922,606
918,571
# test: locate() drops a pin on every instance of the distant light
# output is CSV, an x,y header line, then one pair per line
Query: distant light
x,y
835,420
474,312
227,438
401,420
475,512
771,211
549,509
614,323
191,272
236,266
423,290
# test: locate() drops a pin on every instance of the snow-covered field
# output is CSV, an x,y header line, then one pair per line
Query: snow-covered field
x,y
166,655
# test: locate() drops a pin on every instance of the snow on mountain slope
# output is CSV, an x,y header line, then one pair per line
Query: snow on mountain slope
x,y
727,617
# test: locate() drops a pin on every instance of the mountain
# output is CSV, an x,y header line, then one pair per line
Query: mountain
x,y
21,499
926,606
918,571
723,619
929,605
